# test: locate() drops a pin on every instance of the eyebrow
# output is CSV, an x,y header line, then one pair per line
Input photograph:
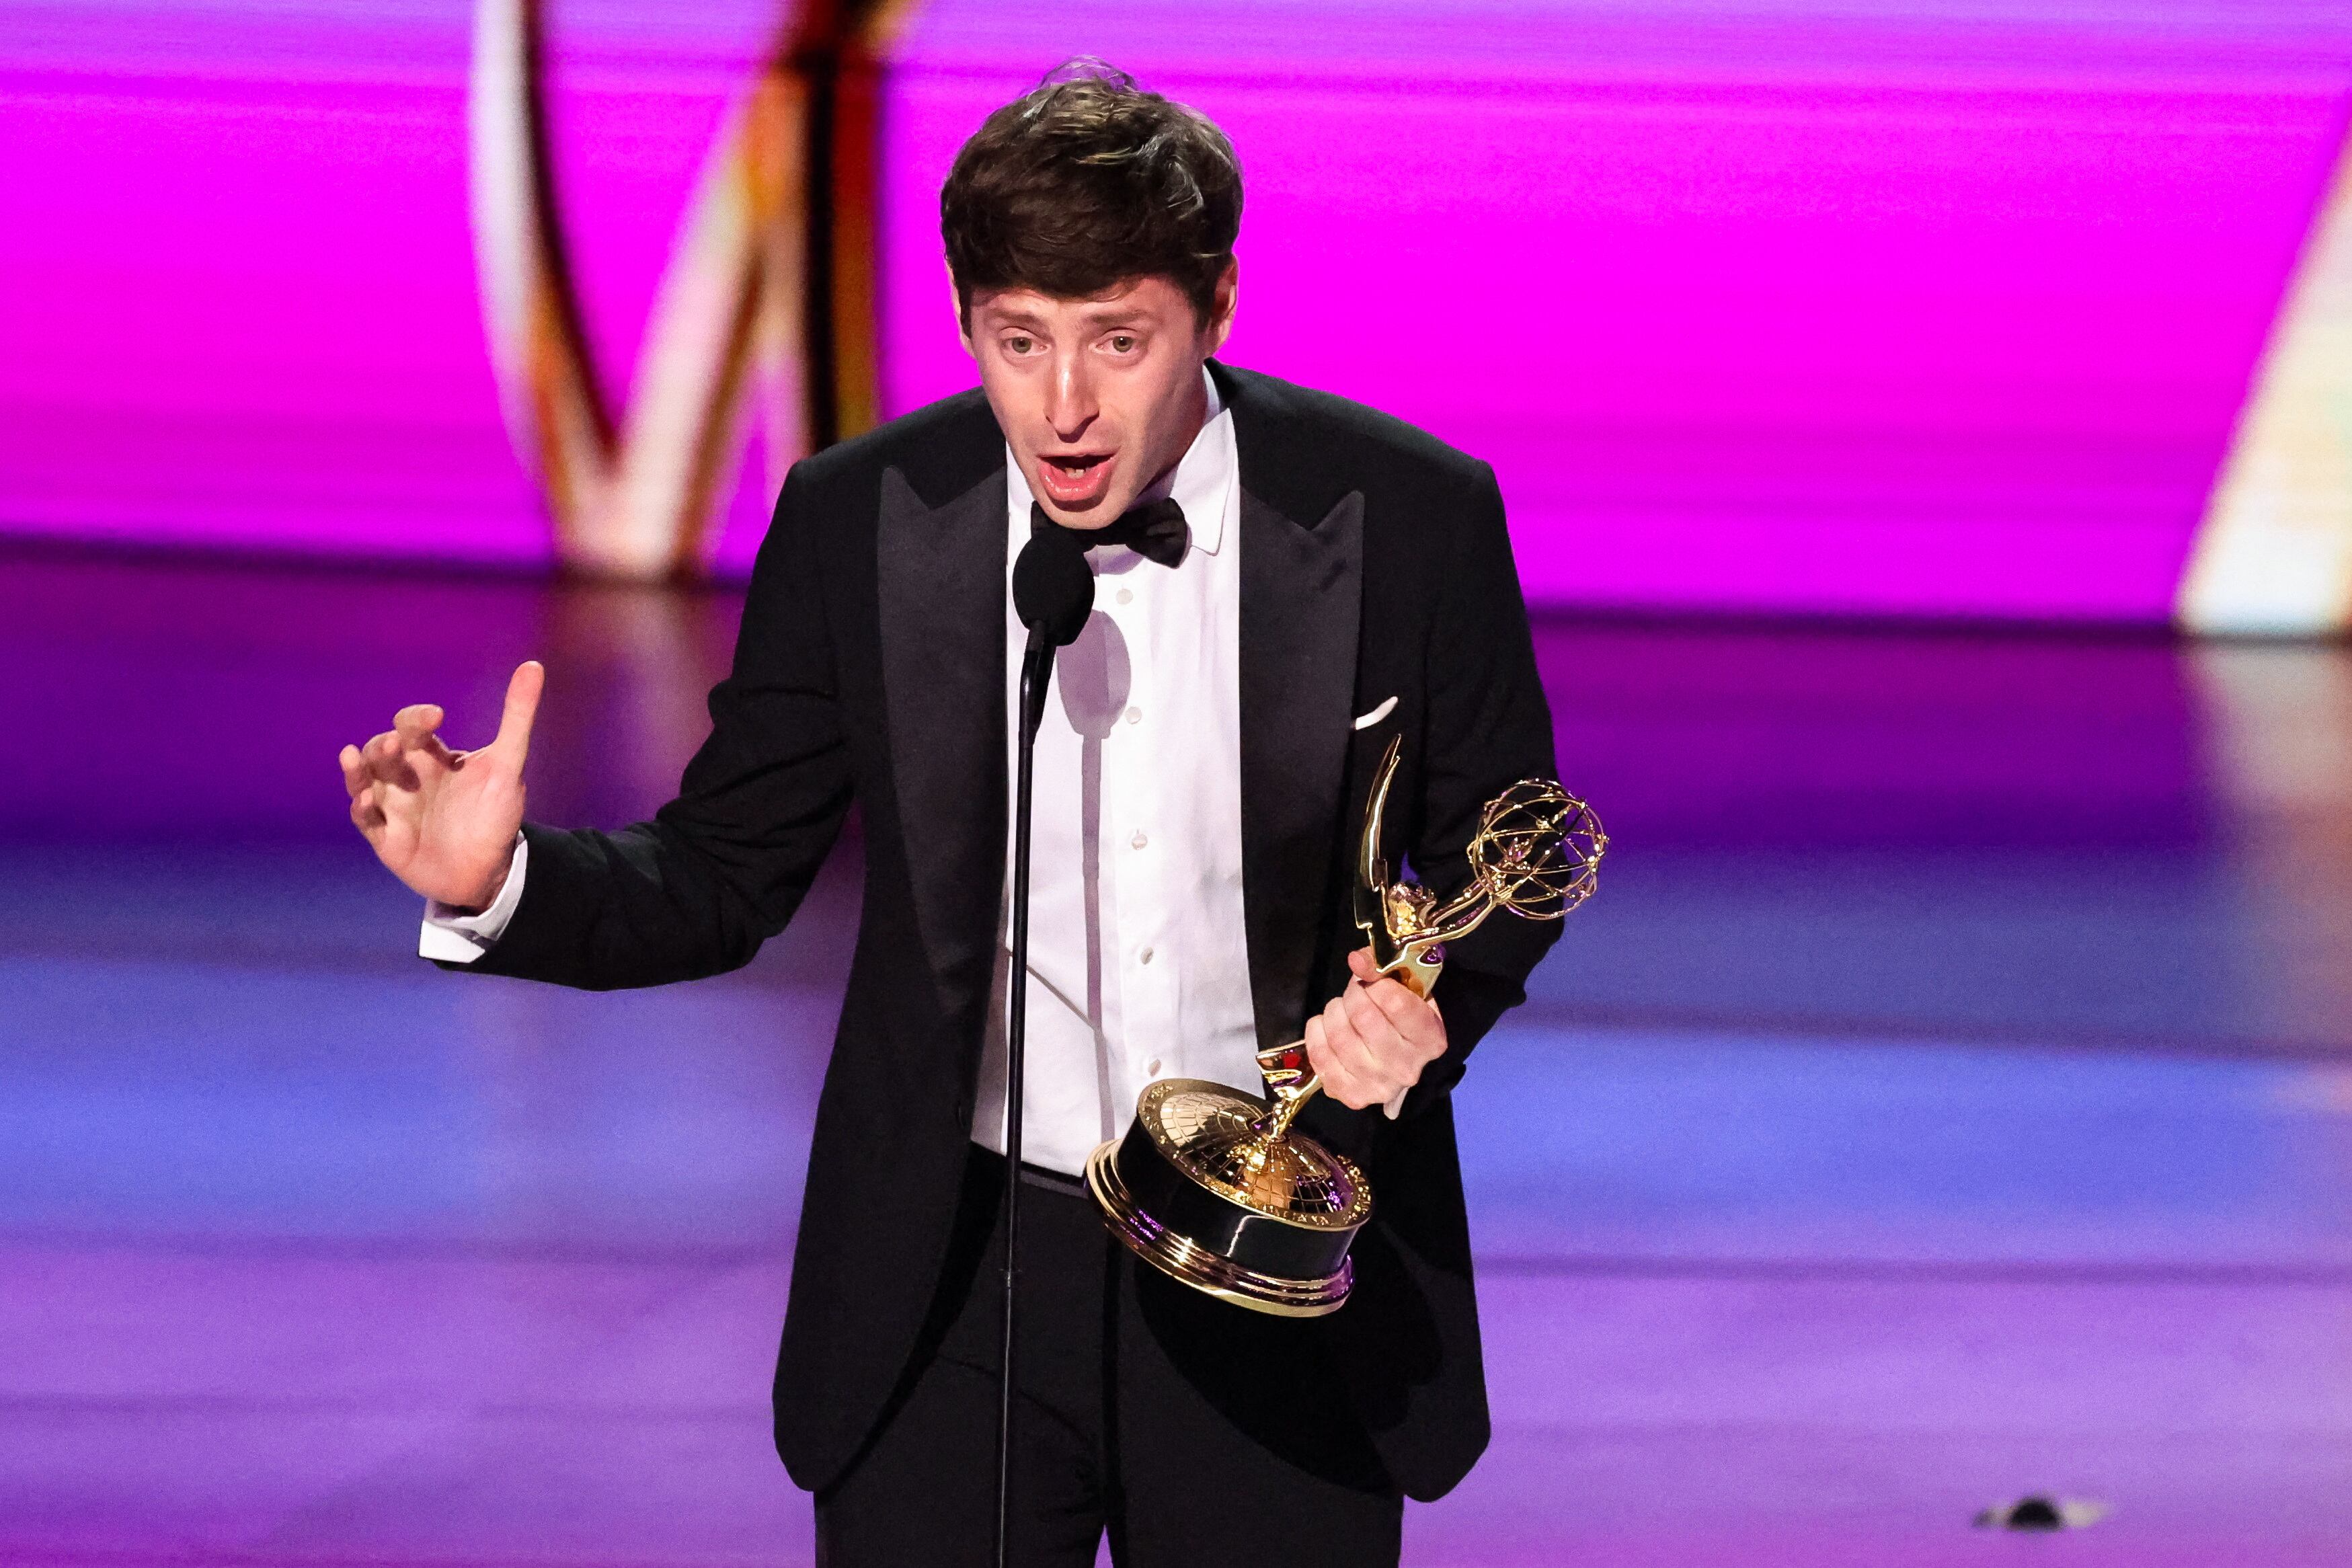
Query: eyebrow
x,y
1099,317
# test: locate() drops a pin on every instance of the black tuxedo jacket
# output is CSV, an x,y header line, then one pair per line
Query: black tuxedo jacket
x,y
870,667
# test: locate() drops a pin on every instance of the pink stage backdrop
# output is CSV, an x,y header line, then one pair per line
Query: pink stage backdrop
x,y
1755,305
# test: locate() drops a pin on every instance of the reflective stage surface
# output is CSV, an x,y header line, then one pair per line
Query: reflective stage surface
x,y
1947,1098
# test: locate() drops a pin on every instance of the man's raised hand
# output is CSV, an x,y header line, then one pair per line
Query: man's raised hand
x,y
444,822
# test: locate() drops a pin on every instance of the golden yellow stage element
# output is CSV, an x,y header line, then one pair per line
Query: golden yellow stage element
x,y
764,316
2274,555
1214,1187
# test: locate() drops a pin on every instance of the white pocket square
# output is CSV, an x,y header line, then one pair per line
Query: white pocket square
x,y
1377,714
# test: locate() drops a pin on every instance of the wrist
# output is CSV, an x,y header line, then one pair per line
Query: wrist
x,y
489,893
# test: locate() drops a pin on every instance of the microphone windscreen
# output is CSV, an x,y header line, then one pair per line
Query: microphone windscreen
x,y
1053,590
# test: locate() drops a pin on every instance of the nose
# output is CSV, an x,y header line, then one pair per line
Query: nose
x,y
1070,405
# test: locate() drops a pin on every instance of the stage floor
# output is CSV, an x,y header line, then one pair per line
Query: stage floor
x,y
1948,1097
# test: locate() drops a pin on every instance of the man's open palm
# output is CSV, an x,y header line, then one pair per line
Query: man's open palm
x,y
444,822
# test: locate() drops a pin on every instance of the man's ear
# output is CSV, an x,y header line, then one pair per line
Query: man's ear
x,y
1221,309
962,316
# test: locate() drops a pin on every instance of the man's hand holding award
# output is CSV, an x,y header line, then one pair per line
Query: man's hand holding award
x,y
1216,1188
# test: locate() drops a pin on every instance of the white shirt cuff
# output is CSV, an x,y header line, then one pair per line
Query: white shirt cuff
x,y
451,935
1395,1106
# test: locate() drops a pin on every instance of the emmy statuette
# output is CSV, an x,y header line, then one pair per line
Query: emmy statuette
x,y
1212,1188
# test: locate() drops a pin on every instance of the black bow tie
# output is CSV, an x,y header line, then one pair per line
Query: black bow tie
x,y
1155,530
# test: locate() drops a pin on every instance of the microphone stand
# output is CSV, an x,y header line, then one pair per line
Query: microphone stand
x,y
1053,592
1037,672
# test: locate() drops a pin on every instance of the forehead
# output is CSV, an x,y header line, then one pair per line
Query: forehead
x,y
1144,299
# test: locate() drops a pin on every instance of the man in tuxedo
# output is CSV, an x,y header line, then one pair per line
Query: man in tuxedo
x,y
1285,582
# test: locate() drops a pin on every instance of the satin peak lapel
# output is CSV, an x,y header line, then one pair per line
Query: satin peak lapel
x,y
941,587
1302,597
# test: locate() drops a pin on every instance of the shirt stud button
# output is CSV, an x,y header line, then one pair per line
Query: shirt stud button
x,y
1135,715
1127,595
1153,1067
1140,839
1146,957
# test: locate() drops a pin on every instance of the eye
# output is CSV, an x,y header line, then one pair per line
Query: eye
x,y
1020,343
1123,343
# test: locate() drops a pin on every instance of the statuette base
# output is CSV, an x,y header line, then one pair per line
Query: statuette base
x,y
1197,1267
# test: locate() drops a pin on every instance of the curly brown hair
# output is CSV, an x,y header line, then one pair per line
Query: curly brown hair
x,y
1087,181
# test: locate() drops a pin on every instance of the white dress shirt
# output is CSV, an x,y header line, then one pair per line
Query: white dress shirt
x,y
1139,962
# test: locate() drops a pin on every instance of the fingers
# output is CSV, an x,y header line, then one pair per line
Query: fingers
x,y
392,772
359,781
1373,1041
388,760
1341,1057
1337,1081
367,812
1416,1019
522,707
1363,1012
416,724
1391,1001
1392,1061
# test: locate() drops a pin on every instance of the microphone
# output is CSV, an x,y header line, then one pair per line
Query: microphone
x,y
1053,593
1053,588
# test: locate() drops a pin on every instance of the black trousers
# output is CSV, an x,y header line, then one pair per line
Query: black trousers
x,y
1191,1430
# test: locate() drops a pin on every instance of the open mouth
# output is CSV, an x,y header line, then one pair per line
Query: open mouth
x,y
1075,479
